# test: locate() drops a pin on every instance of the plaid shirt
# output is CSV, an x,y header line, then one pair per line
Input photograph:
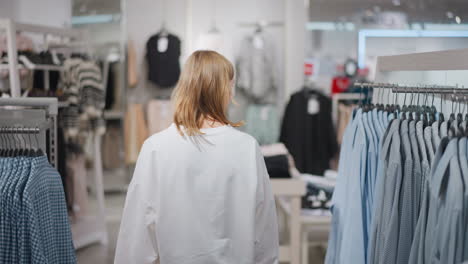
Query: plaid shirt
x,y
34,222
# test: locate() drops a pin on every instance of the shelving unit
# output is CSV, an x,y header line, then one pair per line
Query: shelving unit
x,y
86,230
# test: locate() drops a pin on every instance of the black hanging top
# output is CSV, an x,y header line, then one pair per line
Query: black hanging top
x,y
310,138
163,67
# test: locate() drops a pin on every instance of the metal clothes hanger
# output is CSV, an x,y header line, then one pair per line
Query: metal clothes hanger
x,y
39,151
466,106
452,115
2,139
441,113
404,109
459,115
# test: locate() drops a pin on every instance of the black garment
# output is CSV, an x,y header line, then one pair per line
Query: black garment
x,y
54,77
310,138
110,89
277,166
163,67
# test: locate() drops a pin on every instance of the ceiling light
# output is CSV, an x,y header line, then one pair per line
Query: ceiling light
x,y
458,20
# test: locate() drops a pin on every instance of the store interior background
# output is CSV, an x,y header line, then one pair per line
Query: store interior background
x,y
321,33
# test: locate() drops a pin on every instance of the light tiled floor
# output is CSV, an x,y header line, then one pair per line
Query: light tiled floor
x,y
100,254
97,253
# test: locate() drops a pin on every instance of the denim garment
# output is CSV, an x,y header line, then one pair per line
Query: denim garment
x,y
375,239
338,207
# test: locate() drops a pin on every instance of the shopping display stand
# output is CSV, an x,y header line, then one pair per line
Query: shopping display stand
x,y
89,229
293,190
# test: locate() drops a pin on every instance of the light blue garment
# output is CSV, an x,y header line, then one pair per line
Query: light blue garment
x,y
346,238
353,239
374,238
436,138
262,122
429,145
447,243
463,148
369,174
417,174
404,236
417,247
389,226
433,198
443,130
334,241
338,207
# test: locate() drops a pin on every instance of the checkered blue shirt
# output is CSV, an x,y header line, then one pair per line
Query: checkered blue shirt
x,y
33,221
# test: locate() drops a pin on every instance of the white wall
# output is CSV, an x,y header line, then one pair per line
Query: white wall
x,y
7,8
190,18
43,12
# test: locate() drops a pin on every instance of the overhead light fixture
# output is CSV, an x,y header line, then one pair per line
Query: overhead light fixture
x,y
458,20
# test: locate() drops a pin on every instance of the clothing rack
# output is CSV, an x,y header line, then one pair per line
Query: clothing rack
x,y
32,116
91,228
424,89
10,27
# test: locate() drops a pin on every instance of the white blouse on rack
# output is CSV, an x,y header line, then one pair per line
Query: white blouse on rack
x,y
199,200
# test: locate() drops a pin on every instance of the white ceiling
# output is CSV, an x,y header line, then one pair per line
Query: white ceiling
x,y
417,10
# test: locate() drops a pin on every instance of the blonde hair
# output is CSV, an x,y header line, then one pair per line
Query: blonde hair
x,y
203,92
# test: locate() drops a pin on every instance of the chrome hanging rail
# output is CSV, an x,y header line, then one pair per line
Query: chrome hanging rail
x,y
398,88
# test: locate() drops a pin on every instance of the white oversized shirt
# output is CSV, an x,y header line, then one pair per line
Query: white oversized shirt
x,y
199,200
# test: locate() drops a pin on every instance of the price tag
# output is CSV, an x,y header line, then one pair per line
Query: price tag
x,y
258,42
162,44
313,107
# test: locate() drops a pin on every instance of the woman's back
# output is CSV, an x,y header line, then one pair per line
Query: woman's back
x,y
200,200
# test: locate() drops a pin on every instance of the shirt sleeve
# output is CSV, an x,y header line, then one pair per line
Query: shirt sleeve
x,y
137,242
266,227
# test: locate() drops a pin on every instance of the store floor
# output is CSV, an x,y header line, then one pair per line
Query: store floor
x,y
100,254
97,253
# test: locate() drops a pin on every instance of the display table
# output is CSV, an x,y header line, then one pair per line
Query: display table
x,y
292,190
